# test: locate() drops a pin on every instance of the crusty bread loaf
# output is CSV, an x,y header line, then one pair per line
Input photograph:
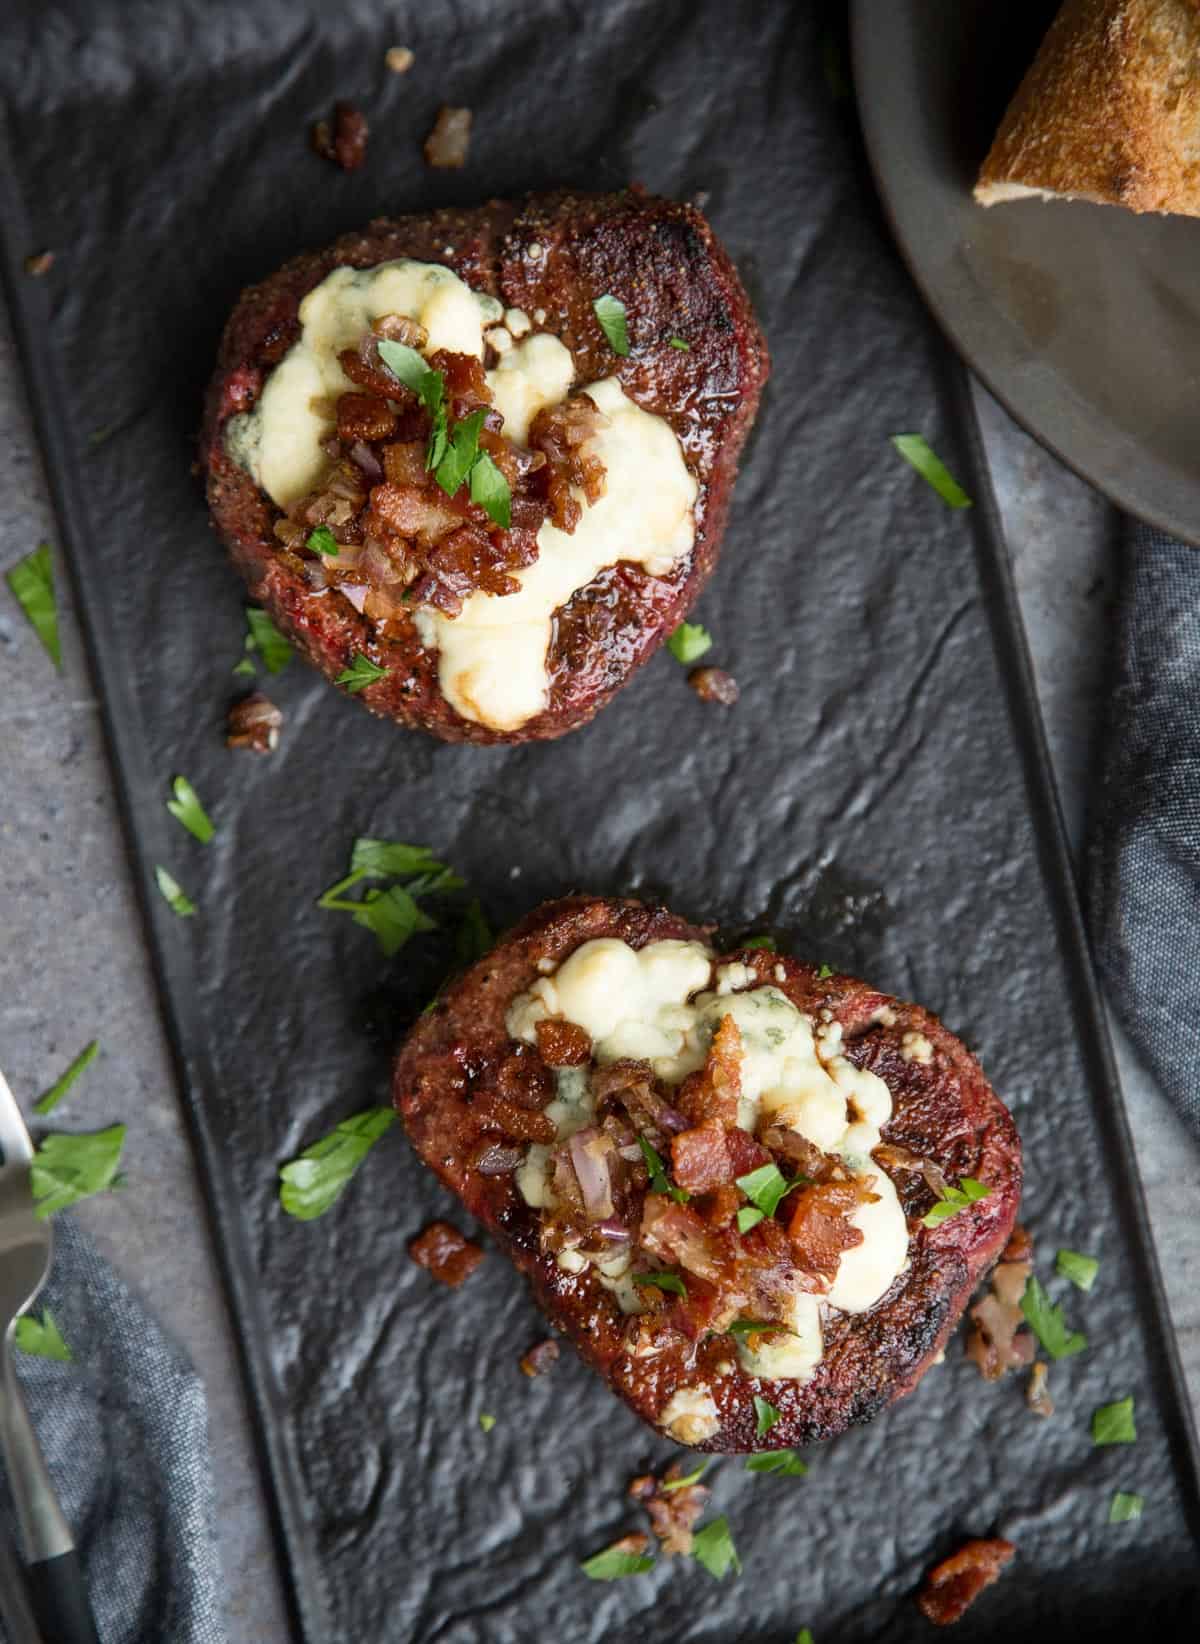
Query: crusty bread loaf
x,y
1110,111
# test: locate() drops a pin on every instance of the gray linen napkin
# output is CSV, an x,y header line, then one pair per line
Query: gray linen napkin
x,y
1143,859
124,1428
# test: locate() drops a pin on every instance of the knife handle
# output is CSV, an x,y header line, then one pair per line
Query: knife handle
x,y
60,1602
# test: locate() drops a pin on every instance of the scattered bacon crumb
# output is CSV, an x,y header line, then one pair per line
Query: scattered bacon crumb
x,y
254,723
1019,1247
1037,1393
40,263
997,1342
673,1513
699,1158
636,1543
952,1586
399,59
563,1044
712,1093
525,1124
345,140
445,1253
447,144
714,685
820,1229
541,1358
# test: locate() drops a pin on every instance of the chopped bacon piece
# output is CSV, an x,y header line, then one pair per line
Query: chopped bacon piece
x,y
1019,1247
700,1158
633,1085
345,140
524,1123
714,685
563,1044
1037,1393
819,1227
952,1586
253,723
721,1206
807,1155
445,1254
713,1092
524,1080
745,1154
540,1358
996,1341
673,1512
404,462
676,1234
561,433
411,511
364,417
447,144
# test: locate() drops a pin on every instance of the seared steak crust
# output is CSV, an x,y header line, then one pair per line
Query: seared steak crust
x,y
943,1111
552,254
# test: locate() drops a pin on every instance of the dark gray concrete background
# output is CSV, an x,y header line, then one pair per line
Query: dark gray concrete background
x,y
73,965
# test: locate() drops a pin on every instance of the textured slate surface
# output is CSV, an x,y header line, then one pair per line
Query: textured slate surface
x,y
875,794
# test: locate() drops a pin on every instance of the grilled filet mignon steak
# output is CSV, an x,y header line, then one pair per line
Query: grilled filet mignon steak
x,y
714,1170
619,465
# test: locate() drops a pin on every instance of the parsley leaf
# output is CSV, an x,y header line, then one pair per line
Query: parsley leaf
x,y
41,1336
1048,1324
1081,1270
173,895
658,1173
430,388
391,859
682,344
767,942
189,812
786,1463
49,1100
1125,1505
713,1547
662,1281
610,311
767,1416
615,1562
689,642
361,673
473,938
316,1180
265,638
32,582
323,541
915,450
955,1199
393,916
489,489
804,1636
747,1217
486,1422
693,1477
1113,1423
765,1188
825,972
753,1327
244,667
461,453
71,1166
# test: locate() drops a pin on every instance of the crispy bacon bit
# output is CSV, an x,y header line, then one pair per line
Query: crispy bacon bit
x,y
713,1092
524,1080
676,1234
805,1154
539,1359
447,144
997,1342
714,685
952,1586
700,1159
493,1158
633,1085
364,417
1037,1392
562,434
673,1513
344,141
745,1154
39,263
525,1124
253,723
445,1254
819,1227
563,1044
721,1206
635,1544
399,59
1019,1247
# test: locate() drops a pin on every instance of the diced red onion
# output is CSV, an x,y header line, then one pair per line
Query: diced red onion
x,y
612,1227
591,1170
632,1153
494,1159
356,595
363,457
671,1120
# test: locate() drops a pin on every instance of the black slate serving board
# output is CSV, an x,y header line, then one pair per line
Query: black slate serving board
x,y
880,796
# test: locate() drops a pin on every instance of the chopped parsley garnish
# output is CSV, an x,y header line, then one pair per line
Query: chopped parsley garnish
x,y
767,1415
32,582
804,1636
428,385
1081,1270
245,667
785,1463
71,1166
753,1327
825,972
1047,1322
1113,1423
713,1547
392,913
689,642
917,451
473,937
392,859
316,1180
41,1336
489,489
189,812
693,1477
662,1281
49,1099
323,541
173,894
265,638
610,311
1124,1507
486,1422
955,1199
361,673
767,942
749,1216
764,1188
682,344
461,452
615,1562
658,1173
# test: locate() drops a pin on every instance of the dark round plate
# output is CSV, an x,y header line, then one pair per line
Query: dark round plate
x,y
1083,320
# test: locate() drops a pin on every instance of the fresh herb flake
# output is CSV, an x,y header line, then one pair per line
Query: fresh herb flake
x,y
749,1216
245,668
753,1327
767,1415
361,673
615,1562
693,1477
473,936
804,1636
1113,1423
489,489
393,916
610,311
916,450
49,1100
411,368
391,859
689,642
1047,1322
783,1463
682,344
1125,1506
825,972
1081,1270
767,942
32,582
658,1173
662,1281
265,638
766,1186
461,452
41,1336
486,1421
955,1199
713,1548
323,541
316,1180
71,1166
173,894
189,812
